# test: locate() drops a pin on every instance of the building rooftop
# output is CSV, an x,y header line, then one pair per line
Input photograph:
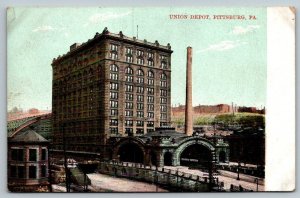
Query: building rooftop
x,y
105,33
28,136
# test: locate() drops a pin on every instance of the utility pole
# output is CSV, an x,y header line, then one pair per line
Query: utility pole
x,y
232,108
65,160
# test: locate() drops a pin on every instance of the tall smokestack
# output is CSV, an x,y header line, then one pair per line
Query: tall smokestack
x,y
188,99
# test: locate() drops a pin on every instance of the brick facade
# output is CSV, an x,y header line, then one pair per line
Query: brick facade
x,y
110,86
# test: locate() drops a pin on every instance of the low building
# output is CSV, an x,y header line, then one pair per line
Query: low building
x,y
27,162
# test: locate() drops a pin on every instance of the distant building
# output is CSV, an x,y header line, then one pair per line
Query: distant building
x,y
110,86
27,162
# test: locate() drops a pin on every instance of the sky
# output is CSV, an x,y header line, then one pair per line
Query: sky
x,y
229,56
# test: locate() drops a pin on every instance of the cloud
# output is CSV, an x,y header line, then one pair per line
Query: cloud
x,y
102,17
223,46
48,28
238,30
43,28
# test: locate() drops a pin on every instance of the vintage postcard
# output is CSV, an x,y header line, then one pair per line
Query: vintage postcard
x,y
148,99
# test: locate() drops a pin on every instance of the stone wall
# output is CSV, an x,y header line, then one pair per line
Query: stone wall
x,y
169,179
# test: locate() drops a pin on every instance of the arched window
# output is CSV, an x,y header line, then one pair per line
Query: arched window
x,y
140,72
150,74
150,80
129,74
114,75
114,68
163,80
140,78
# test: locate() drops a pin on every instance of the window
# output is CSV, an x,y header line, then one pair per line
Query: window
x,y
140,114
129,78
113,47
32,155
44,154
150,115
150,63
129,97
139,123
32,172
150,91
113,104
113,55
163,62
140,98
163,65
140,61
140,90
129,59
163,92
128,130
17,154
150,130
150,55
129,74
163,76
113,130
150,124
114,86
163,124
21,172
139,131
113,122
150,76
13,171
163,100
43,171
128,105
113,95
129,55
128,50
163,108
129,71
114,76
140,53
150,99
163,116
140,106
150,107
140,72
129,88
113,112
114,68
128,113
128,123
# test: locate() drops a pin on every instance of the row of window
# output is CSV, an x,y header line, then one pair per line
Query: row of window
x,y
139,114
18,154
140,98
139,56
139,79
20,171
140,106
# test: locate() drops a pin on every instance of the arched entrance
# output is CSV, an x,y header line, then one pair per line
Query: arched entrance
x,y
131,152
222,156
168,159
196,156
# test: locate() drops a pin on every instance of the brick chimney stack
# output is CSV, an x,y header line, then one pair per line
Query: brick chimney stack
x,y
188,99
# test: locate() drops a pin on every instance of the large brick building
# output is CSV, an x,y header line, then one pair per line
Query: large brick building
x,y
110,86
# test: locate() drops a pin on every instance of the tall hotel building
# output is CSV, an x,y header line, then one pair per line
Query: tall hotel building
x,y
110,86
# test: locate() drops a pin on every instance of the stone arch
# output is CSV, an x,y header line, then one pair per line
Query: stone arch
x,y
192,145
129,149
